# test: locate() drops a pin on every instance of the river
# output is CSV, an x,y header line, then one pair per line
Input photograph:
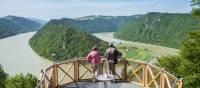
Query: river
x,y
16,56
157,51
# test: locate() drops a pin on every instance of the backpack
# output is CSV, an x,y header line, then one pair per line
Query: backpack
x,y
116,55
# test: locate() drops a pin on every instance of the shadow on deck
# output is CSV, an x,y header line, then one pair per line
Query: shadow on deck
x,y
99,84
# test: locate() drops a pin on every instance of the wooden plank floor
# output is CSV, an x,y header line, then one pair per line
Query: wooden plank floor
x,y
90,84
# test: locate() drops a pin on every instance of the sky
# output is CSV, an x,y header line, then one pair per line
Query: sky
x,y
56,9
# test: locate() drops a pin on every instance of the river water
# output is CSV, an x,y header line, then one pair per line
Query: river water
x,y
16,56
157,51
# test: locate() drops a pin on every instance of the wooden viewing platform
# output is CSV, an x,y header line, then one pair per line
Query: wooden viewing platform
x,y
78,74
90,84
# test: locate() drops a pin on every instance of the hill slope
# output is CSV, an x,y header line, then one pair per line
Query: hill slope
x,y
11,25
95,24
65,40
158,28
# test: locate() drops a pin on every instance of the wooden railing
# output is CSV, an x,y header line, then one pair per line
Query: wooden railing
x,y
143,74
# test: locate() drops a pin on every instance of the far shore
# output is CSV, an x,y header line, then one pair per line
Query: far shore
x,y
157,51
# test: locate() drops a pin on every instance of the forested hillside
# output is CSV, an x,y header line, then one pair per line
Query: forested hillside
x,y
65,40
164,29
11,25
95,24
186,64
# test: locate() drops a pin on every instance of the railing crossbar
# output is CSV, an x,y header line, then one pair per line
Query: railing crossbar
x,y
149,73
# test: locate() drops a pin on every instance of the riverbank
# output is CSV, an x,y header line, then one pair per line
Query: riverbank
x,y
156,50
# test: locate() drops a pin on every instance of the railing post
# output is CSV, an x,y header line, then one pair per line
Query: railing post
x,y
145,75
162,79
43,83
54,79
181,83
124,73
56,75
76,71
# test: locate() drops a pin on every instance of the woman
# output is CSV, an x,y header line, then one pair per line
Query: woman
x,y
94,58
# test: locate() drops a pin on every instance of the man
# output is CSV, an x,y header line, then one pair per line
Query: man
x,y
111,55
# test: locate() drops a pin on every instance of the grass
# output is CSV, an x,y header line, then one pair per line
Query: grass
x,y
139,54
134,53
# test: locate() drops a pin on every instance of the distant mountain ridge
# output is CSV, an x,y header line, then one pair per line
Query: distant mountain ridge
x,y
12,25
166,29
43,22
105,17
95,24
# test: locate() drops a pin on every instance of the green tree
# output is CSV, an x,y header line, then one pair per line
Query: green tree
x,y
3,77
191,47
166,29
21,81
170,63
65,40
196,8
186,65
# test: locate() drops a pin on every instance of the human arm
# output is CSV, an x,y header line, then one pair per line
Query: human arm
x,y
88,58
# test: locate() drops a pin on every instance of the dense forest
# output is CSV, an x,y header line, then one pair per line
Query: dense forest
x,y
11,25
166,29
17,81
95,24
186,64
65,40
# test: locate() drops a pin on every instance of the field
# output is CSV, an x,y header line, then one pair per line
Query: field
x,y
155,50
134,53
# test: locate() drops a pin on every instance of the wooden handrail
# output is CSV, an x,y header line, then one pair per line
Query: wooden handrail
x,y
139,73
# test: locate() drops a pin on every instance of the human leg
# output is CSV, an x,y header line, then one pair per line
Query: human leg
x,y
110,68
113,70
95,69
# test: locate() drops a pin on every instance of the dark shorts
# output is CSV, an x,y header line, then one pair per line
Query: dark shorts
x,y
112,61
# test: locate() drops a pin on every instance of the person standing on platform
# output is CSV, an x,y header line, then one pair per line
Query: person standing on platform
x,y
94,58
112,55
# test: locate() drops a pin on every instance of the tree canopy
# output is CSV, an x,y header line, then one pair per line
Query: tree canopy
x,y
64,40
21,81
3,77
17,81
12,25
187,64
94,24
166,29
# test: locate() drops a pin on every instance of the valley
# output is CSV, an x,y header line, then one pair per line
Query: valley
x,y
17,56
